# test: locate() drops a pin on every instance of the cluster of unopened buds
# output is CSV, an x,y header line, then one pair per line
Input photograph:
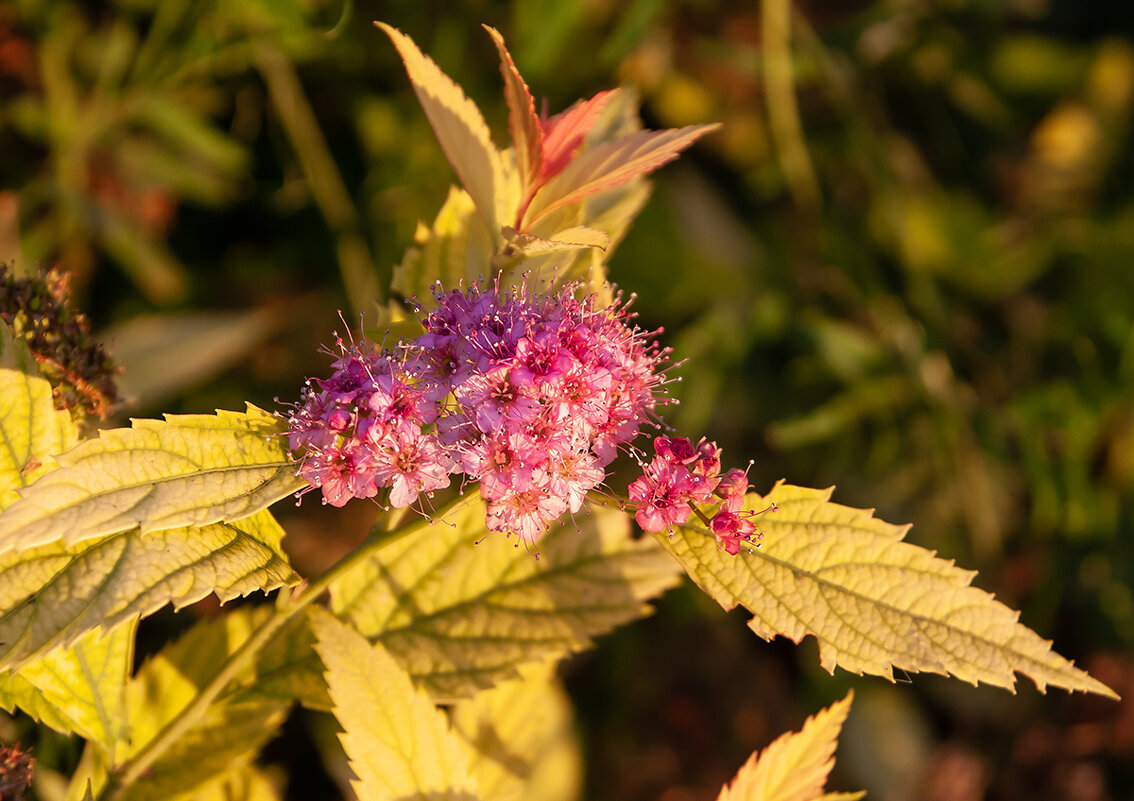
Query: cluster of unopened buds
x,y
530,395
682,480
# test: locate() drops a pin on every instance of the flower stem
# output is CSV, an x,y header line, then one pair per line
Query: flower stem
x,y
134,768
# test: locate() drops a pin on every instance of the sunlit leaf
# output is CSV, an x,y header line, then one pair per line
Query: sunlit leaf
x,y
185,470
574,238
565,132
31,429
521,738
459,126
872,601
243,783
228,737
523,123
462,616
399,744
610,164
795,766
52,594
456,248
83,684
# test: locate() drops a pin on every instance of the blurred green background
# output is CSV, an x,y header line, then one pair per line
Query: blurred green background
x,y
903,267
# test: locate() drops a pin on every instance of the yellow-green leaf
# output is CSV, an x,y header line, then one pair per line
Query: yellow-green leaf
x,y
52,594
399,744
228,737
188,470
460,128
83,684
462,616
612,163
456,248
872,601
574,238
521,738
243,783
795,766
32,430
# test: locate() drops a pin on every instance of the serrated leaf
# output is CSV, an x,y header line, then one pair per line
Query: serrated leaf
x,y
523,123
459,126
32,430
521,738
188,470
288,669
84,684
229,737
52,594
462,616
18,692
573,238
795,766
231,733
872,601
610,164
244,783
456,248
565,132
399,744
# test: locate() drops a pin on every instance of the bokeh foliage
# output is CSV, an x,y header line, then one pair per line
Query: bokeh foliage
x,y
901,267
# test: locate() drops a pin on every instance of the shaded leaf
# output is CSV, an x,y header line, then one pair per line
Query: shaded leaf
x,y
399,744
872,601
459,126
610,164
521,738
52,594
523,124
188,470
231,733
795,766
462,616
162,355
32,430
84,684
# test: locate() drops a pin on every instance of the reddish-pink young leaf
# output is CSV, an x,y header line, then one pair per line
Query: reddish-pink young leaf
x,y
523,123
563,133
612,163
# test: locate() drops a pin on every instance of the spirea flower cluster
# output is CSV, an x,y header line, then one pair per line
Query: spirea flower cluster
x,y
529,395
681,480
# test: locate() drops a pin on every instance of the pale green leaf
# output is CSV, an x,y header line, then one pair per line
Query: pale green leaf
x,y
523,123
795,766
231,733
288,669
32,430
612,163
85,684
521,738
188,470
573,238
243,783
52,594
461,616
228,739
872,601
18,692
399,744
457,248
460,129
